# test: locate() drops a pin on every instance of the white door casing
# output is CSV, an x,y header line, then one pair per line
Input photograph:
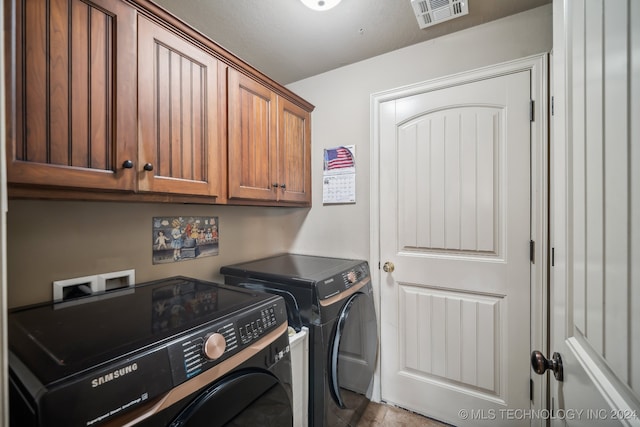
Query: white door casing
x,y
458,161
4,374
595,212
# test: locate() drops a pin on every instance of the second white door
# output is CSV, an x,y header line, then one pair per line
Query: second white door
x,y
455,222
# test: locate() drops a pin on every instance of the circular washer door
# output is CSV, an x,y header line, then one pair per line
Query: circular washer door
x,y
250,398
353,351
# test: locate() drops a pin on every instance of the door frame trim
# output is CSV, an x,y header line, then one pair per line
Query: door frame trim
x,y
538,67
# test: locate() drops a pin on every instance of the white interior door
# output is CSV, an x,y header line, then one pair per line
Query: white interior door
x,y
455,220
596,212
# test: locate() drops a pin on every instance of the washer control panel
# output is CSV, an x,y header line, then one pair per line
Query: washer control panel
x,y
254,326
192,355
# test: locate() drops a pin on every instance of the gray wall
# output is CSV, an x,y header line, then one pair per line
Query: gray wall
x,y
51,240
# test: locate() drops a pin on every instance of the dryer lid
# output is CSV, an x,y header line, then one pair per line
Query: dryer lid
x,y
291,268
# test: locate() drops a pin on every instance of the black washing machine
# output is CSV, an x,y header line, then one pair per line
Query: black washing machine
x,y
174,352
334,298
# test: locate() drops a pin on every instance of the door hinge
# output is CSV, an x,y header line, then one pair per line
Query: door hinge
x,y
552,106
553,257
378,265
531,389
532,251
531,104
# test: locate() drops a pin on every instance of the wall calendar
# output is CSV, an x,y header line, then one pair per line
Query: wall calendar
x,y
339,177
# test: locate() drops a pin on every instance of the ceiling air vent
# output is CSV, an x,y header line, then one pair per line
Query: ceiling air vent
x,y
432,12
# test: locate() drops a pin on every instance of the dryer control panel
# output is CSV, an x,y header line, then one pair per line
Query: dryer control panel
x,y
342,281
219,341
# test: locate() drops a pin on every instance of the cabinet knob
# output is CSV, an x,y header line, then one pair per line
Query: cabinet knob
x,y
127,164
275,185
283,186
148,167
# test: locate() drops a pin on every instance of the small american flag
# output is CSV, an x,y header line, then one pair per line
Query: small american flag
x,y
337,158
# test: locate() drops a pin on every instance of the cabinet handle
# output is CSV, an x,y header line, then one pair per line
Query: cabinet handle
x,y
283,186
148,167
275,185
127,164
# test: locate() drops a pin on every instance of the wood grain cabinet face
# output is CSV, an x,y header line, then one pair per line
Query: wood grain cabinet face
x,y
179,142
109,95
269,144
294,146
252,141
71,113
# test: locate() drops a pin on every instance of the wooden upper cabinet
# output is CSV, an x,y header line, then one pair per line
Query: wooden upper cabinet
x,y
269,144
120,100
71,98
180,142
252,113
294,152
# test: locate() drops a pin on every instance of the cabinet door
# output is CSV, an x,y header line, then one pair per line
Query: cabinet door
x,y
178,110
252,139
294,152
71,93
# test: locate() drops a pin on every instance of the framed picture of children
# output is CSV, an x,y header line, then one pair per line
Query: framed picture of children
x,y
183,238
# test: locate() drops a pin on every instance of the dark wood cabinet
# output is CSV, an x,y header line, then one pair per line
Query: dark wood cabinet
x,y
294,152
178,107
269,144
71,93
252,144
120,100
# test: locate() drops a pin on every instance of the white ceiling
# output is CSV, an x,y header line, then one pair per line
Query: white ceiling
x,y
289,42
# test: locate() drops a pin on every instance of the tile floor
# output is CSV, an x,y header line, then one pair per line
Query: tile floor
x,y
381,415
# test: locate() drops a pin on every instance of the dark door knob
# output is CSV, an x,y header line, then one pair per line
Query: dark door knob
x,y
148,167
541,364
127,164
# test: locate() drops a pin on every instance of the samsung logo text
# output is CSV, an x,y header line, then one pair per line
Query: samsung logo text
x,y
114,375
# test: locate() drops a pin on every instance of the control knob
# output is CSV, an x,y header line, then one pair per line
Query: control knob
x,y
214,346
352,277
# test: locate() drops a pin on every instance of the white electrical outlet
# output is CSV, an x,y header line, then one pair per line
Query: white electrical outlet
x,y
116,280
64,290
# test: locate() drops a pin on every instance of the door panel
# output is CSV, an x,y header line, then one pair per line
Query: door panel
x,y
455,221
294,148
178,114
247,398
596,211
69,123
449,202
253,162
353,352
447,333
